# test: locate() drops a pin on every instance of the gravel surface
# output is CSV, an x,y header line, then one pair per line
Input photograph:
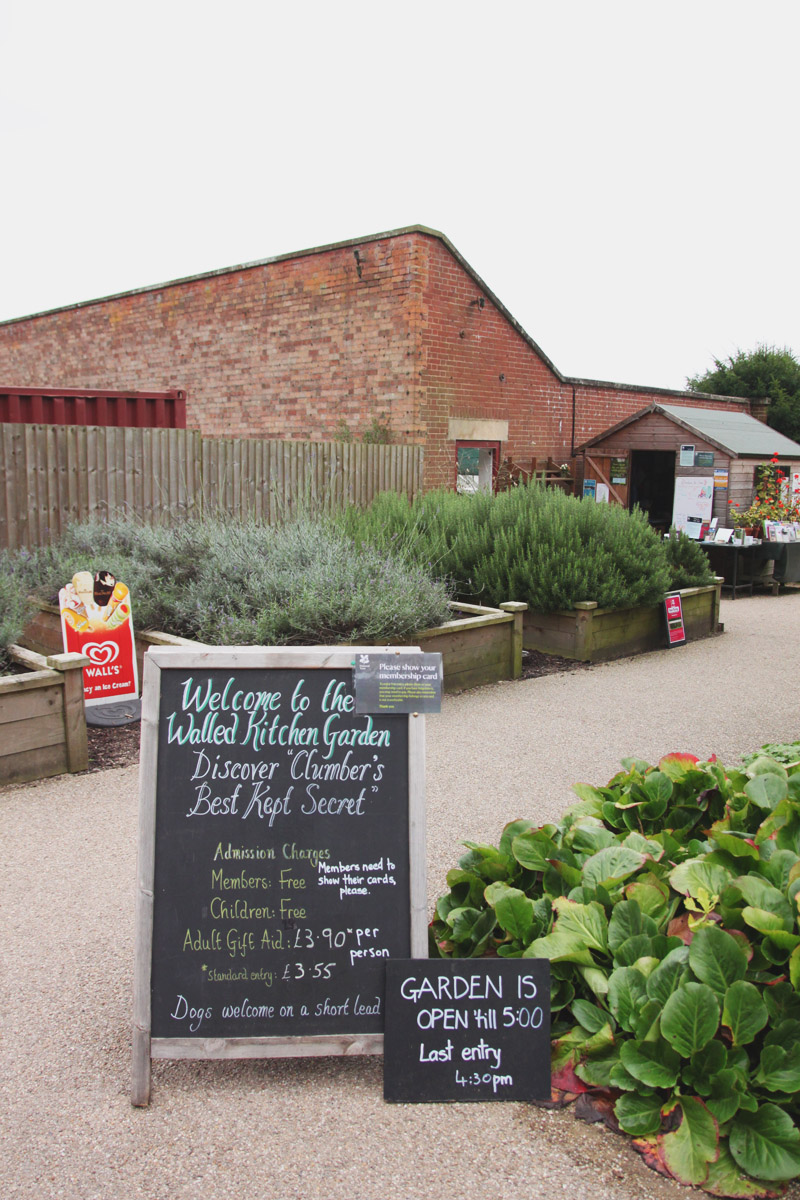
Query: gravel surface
x,y
292,1129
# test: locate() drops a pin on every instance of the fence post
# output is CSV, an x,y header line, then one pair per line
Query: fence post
x,y
584,640
71,666
516,608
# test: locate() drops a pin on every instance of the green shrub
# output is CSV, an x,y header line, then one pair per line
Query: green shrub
x,y
688,565
231,582
15,608
667,904
528,543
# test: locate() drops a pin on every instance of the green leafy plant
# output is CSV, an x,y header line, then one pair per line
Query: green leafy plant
x,y
15,608
231,582
688,564
667,904
528,543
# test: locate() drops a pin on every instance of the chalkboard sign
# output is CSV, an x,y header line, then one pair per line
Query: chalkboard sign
x,y
467,1029
281,856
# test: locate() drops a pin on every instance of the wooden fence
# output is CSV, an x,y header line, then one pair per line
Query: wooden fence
x,y
53,475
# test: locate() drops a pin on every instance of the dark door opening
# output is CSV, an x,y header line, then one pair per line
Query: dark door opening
x,y
653,485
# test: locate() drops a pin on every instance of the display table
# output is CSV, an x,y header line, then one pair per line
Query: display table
x,y
738,564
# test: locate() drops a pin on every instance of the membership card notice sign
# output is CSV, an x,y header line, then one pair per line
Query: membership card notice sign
x,y
281,857
467,1029
398,683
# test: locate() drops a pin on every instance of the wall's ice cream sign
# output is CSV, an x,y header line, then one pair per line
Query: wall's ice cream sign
x,y
96,620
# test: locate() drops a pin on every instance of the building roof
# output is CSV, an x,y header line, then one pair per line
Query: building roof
x,y
735,433
424,230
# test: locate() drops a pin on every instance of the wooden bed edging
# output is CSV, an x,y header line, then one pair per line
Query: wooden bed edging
x,y
42,717
588,633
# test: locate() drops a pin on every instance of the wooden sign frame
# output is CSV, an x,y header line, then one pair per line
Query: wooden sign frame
x,y
147,1047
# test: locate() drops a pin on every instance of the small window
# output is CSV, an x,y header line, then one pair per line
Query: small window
x,y
476,466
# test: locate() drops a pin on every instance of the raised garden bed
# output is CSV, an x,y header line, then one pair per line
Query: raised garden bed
x,y
480,645
42,719
591,634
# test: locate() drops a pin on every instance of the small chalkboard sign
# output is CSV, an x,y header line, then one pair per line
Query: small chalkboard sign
x,y
467,1029
281,856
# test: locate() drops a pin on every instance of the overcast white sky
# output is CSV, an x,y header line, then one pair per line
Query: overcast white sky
x,y
624,176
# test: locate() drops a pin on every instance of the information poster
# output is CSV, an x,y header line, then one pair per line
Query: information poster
x,y
466,1029
281,856
693,502
96,620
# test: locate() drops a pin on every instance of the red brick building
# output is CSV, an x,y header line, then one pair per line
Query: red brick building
x,y
393,330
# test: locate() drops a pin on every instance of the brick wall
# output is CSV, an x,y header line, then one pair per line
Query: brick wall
x,y
305,346
295,348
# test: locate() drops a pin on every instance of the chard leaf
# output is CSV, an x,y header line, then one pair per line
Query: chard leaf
x,y
767,791
626,921
560,947
779,1069
632,949
766,1143
589,1015
653,1063
690,1018
588,839
744,1012
758,893
589,795
716,959
587,921
722,1097
691,876
513,909
652,896
761,920
738,847
726,1179
794,969
611,866
597,1071
694,1145
638,1115
627,992
513,829
643,845
533,849
595,979
669,975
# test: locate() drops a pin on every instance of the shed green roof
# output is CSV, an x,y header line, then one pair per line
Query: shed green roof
x,y
738,432
735,433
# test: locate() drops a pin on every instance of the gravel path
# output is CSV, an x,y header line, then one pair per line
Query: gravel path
x,y
292,1129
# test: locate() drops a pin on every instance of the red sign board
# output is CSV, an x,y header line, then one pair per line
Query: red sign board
x,y
96,620
676,630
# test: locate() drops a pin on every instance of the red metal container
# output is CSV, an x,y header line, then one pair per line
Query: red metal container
x,y
81,406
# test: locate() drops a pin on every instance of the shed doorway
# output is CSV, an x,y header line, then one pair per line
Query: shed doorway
x,y
653,485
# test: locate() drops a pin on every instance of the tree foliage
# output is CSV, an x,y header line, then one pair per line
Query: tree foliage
x,y
766,372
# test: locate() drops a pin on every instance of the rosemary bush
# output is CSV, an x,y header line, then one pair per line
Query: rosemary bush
x,y
528,543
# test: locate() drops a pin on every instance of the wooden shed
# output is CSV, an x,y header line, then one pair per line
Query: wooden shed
x,y
669,456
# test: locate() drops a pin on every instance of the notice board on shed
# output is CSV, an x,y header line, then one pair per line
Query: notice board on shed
x,y
281,856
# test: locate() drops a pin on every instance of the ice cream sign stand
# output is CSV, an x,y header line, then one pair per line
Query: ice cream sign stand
x,y
96,620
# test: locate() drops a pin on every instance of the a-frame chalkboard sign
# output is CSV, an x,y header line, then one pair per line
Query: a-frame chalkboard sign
x,y
281,856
